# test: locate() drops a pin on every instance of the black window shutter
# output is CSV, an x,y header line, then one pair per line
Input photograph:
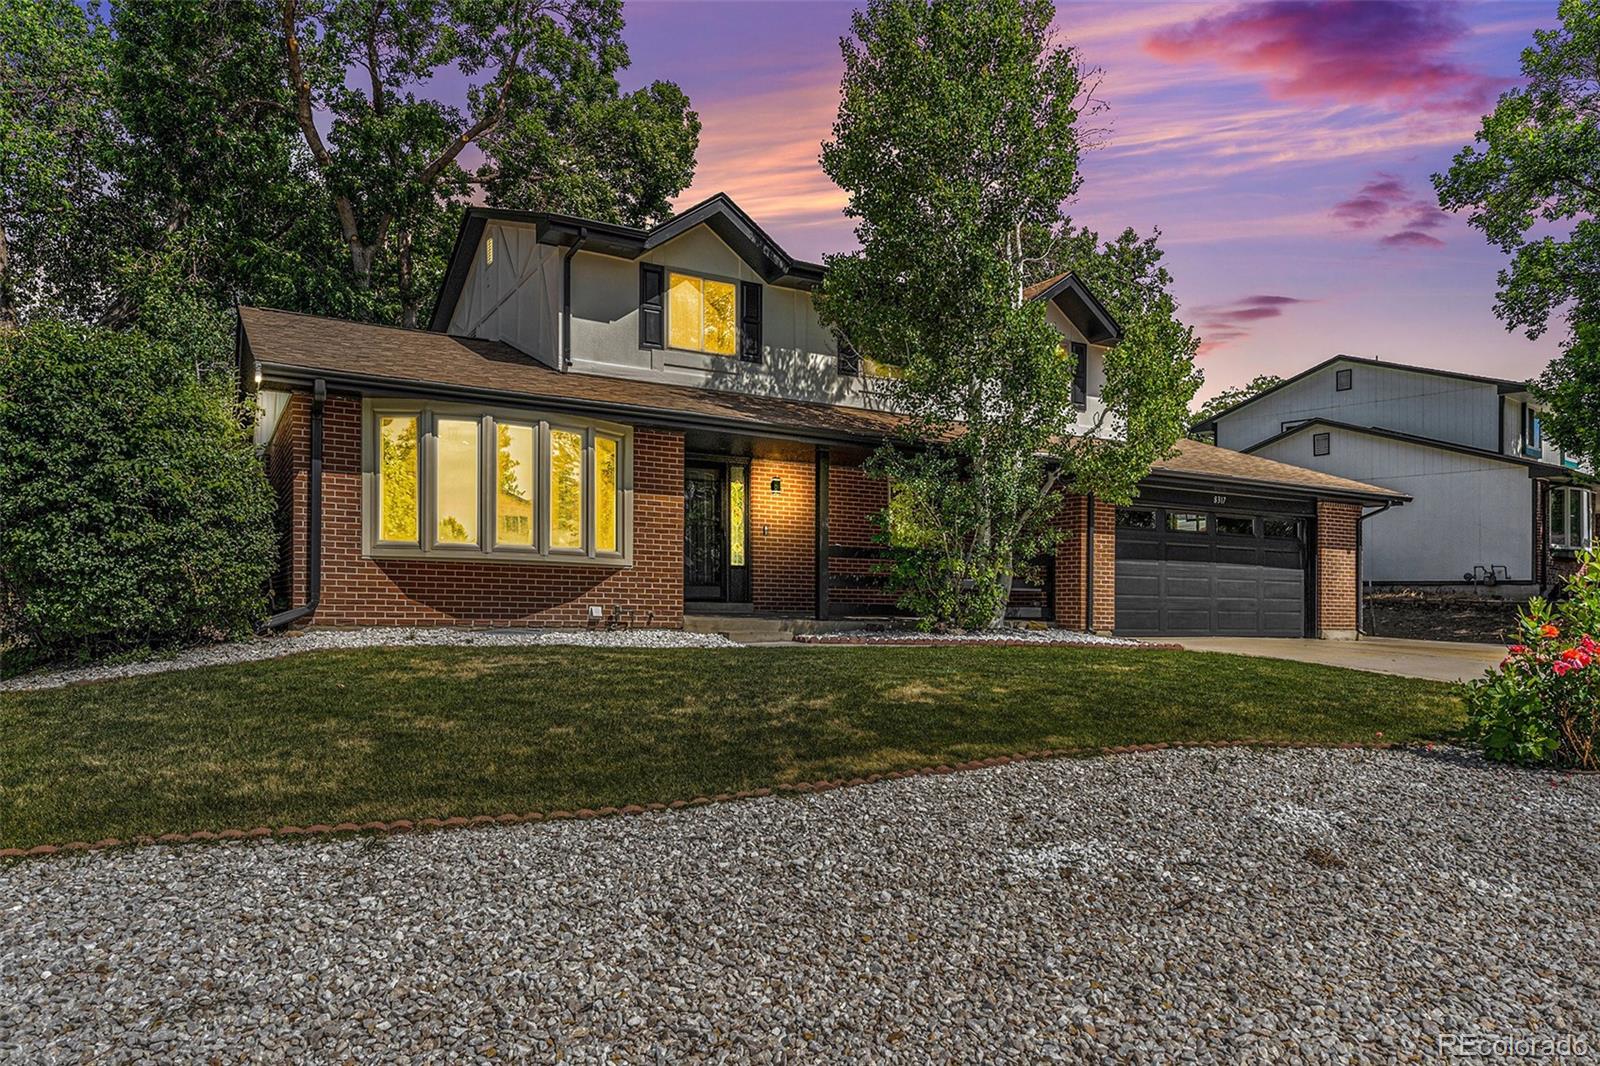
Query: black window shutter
x,y
651,333
1080,375
750,321
849,358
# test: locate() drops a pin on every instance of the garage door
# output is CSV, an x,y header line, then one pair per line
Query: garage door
x,y
1188,571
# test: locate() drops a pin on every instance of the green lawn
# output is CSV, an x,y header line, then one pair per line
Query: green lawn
x,y
412,733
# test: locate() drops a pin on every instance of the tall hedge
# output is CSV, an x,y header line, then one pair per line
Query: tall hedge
x,y
134,512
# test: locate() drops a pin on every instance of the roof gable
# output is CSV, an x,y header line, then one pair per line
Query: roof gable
x,y
1082,308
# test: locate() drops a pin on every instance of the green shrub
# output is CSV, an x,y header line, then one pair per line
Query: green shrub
x,y
134,512
1542,704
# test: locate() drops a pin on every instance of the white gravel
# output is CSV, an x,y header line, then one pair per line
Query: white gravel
x,y
273,647
1007,634
1223,906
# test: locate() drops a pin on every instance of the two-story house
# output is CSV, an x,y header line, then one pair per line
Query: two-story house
x,y
1495,504
605,422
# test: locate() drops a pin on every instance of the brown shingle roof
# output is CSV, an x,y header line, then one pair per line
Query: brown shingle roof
x,y
299,347
1198,460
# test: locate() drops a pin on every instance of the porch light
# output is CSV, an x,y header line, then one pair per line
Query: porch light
x,y
777,485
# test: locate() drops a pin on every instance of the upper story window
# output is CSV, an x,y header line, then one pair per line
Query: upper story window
x,y
1321,443
1343,380
1080,374
1571,518
1532,432
446,481
702,314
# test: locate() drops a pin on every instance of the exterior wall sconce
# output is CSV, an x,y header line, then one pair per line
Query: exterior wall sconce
x,y
777,485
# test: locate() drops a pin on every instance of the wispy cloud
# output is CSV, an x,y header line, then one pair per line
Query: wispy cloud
x,y
1221,324
1396,53
1387,202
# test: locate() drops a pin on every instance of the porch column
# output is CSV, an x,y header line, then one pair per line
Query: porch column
x,y
820,497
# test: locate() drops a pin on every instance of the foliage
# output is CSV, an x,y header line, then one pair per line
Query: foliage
x,y
1543,702
133,510
957,130
544,114
55,133
1535,167
1230,397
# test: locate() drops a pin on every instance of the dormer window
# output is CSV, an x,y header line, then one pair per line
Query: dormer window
x,y
1532,432
702,314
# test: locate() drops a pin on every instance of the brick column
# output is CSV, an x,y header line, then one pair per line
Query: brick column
x,y
1336,570
1073,580
783,550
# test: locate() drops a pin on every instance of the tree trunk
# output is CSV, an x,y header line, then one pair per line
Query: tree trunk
x,y
408,294
8,314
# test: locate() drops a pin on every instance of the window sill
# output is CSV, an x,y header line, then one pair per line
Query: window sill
x,y
500,558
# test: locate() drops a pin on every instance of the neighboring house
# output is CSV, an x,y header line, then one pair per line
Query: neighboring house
x,y
613,423
1495,503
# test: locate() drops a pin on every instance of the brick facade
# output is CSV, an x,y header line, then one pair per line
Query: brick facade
x,y
357,590
365,591
1072,566
1336,569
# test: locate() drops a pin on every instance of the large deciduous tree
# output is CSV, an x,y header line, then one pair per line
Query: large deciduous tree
x,y
545,124
1531,184
958,141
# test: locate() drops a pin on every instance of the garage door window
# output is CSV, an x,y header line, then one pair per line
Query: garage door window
x,y
1186,522
1130,519
1280,527
1232,525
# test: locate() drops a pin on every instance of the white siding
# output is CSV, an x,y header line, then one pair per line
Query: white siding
x,y
517,298
1427,405
1465,512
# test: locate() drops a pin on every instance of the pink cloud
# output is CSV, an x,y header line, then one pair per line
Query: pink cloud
x,y
1386,201
1391,52
1221,324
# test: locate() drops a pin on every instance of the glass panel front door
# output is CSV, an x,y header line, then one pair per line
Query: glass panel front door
x,y
704,538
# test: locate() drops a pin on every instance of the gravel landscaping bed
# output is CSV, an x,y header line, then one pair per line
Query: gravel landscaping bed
x,y
1239,905
1003,635
274,647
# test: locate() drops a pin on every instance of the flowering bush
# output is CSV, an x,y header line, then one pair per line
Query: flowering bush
x,y
1542,704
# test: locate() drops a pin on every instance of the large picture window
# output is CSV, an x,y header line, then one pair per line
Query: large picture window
x,y
499,483
702,314
1571,518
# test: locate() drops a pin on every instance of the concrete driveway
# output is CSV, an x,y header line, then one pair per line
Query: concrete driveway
x,y
1436,660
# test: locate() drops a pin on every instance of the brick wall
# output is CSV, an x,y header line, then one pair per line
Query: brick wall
x,y
1072,565
1336,568
783,531
853,500
365,591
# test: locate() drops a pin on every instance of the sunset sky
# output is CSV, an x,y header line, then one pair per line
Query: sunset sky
x,y
1283,150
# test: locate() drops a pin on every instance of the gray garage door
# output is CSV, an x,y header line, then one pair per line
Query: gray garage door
x,y
1187,571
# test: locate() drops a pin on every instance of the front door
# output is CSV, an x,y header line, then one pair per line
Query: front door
x,y
704,539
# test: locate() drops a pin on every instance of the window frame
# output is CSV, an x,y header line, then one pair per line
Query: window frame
x,y
1532,432
1343,379
1321,444
1565,540
666,311
489,549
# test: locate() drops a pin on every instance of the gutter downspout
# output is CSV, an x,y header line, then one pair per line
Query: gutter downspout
x,y
1361,558
319,396
1088,564
566,296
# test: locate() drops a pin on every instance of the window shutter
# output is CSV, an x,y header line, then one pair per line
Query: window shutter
x,y
1080,375
651,331
849,358
750,321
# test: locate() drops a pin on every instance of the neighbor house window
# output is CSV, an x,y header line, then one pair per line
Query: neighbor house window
x,y
1321,443
500,483
1571,518
1342,380
702,314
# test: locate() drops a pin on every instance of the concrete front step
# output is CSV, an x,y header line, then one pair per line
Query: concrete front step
x,y
768,629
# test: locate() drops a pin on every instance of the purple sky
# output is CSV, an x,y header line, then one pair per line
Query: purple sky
x,y
1282,148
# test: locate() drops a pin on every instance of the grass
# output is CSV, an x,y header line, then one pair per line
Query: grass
x,y
381,734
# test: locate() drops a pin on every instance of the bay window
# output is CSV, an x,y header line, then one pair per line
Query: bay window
x,y
1571,517
500,484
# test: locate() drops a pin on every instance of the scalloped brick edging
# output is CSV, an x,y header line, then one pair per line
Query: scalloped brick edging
x,y
292,832
934,642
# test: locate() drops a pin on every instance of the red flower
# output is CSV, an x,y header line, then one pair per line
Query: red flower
x,y
1563,668
1550,631
1517,649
